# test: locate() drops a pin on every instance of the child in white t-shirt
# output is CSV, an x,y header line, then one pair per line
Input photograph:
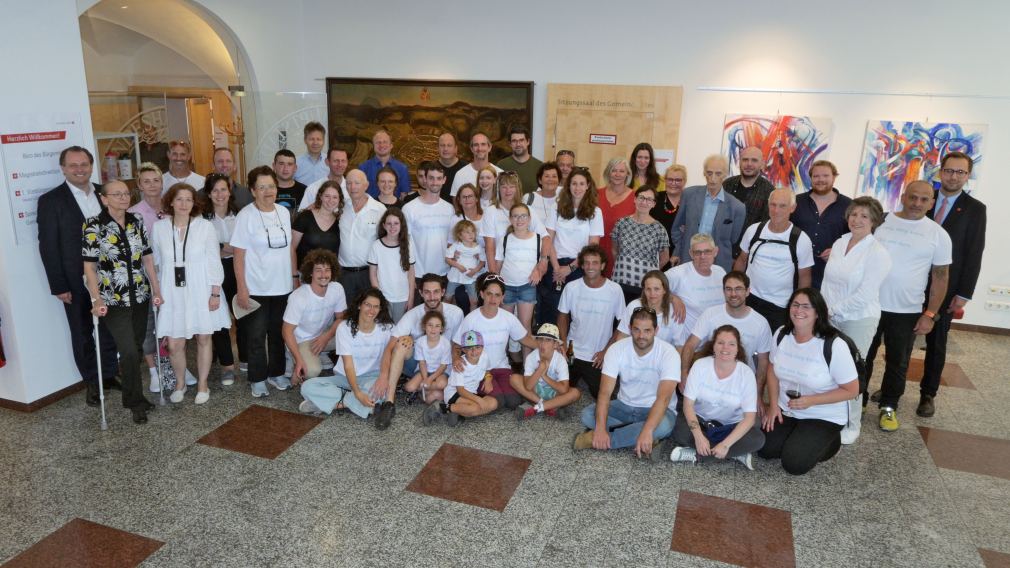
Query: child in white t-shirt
x,y
545,379
433,354
518,256
391,263
466,261
468,391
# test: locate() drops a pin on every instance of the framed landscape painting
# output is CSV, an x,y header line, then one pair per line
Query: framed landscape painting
x,y
416,112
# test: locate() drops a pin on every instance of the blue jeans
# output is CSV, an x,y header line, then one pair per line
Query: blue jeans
x,y
326,392
625,423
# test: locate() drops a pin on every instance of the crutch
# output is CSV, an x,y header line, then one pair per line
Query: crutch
x,y
98,357
157,359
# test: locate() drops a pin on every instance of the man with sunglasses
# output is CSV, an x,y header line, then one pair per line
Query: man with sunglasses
x,y
521,161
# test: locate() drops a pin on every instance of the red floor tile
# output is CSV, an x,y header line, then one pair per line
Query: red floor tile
x,y
733,532
84,544
261,431
993,559
953,375
470,476
968,452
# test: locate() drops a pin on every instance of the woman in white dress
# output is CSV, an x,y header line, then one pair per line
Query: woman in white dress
x,y
188,258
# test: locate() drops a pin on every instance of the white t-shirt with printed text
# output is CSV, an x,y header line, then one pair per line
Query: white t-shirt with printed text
x,y
592,313
312,314
771,267
725,400
640,375
915,248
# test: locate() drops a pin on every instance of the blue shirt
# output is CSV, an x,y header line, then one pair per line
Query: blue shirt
x,y
371,168
310,171
940,197
709,209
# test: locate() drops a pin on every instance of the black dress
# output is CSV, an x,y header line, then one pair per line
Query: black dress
x,y
314,237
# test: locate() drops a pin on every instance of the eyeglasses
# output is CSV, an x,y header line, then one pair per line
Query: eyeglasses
x,y
953,172
118,195
799,306
703,252
521,216
646,198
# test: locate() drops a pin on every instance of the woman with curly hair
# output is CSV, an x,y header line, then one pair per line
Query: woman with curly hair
x,y
391,262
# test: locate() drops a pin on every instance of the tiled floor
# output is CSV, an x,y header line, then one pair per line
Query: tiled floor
x,y
336,492
85,544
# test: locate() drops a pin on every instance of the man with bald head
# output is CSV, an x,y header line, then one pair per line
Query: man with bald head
x,y
382,143
480,147
750,187
448,156
921,254
708,209
358,230
777,256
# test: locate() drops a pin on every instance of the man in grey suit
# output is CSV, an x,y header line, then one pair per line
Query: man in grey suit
x,y
709,209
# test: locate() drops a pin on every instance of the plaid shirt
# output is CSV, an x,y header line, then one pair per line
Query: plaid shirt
x,y
754,198
118,251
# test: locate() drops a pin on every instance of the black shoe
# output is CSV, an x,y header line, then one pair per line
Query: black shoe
x,y
875,397
149,406
926,407
91,397
139,415
384,415
412,398
112,384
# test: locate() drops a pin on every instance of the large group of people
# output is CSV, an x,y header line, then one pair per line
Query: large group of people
x,y
715,321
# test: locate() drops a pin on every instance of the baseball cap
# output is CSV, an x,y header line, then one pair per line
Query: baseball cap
x,y
549,331
473,339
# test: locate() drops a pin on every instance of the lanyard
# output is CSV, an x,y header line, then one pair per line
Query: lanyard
x,y
175,257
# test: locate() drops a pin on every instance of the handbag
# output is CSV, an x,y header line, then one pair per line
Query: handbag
x,y
716,431
165,367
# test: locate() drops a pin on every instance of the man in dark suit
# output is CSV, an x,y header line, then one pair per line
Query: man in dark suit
x,y
708,209
963,217
61,215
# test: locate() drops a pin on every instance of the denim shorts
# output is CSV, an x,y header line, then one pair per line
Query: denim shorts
x,y
525,294
471,289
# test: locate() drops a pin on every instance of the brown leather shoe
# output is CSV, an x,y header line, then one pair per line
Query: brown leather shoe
x,y
926,408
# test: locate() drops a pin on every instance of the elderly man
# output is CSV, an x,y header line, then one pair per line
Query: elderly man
x,y
921,255
358,230
708,209
645,409
777,256
750,187
820,213
480,147
698,284
382,144
180,168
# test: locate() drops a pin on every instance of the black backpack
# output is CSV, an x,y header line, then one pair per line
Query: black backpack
x,y
794,237
505,244
857,357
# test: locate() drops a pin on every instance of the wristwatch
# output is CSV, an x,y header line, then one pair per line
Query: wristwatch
x,y
931,315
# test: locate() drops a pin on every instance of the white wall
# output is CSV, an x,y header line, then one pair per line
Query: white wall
x,y
43,70
859,45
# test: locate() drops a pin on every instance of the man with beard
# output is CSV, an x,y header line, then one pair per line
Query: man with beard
x,y
750,187
820,213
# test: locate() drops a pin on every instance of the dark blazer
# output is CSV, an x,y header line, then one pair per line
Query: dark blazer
x,y
965,223
60,224
726,228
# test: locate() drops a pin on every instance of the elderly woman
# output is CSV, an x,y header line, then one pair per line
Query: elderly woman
x,y
808,396
264,271
120,277
544,201
641,244
617,201
667,205
221,212
188,257
855,270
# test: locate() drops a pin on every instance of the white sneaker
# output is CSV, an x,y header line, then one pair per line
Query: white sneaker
x,y
243,366
852,427
202,397
190,379
280,383
259,389
747,460
308,407
155,382
228,378
682,454
177,396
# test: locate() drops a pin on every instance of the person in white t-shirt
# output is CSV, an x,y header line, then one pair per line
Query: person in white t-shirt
x,y
358,224
466,261
521,265
856,268
470,387
480,147
697,285
497,327
391,262
336,162
429,219
497,219
586,315
655,295
755,335
544,201
719,419
921,251
312,315
766,256
355,384
545,379
645,408
180,167
808,398
433,354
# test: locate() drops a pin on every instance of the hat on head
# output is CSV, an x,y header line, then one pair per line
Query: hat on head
x,y
473,339
549,331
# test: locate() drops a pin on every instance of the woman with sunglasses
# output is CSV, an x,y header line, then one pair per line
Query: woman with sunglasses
x,y
265,272
808,397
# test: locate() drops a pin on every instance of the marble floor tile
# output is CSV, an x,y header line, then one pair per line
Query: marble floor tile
x,y
260,431
84,544
993,559
471,476
952,376
968,452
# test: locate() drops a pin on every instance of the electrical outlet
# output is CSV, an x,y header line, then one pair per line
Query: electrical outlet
x,y
996,306
999,290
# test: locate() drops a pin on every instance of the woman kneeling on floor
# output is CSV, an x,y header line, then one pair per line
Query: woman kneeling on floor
x,y
361,339
720,404
808,396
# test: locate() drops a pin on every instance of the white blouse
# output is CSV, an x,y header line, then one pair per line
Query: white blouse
x,y
851,285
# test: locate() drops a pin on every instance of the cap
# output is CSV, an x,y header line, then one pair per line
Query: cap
x,y
473,339
549,331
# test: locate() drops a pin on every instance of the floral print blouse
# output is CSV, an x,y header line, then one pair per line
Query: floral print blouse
x,y
118,251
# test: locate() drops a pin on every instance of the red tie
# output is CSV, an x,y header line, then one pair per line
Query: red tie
x,y
942,211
